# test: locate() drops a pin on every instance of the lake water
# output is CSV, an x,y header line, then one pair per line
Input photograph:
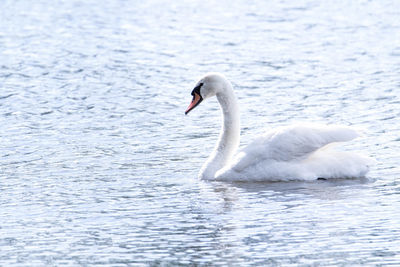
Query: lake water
x,y
98,163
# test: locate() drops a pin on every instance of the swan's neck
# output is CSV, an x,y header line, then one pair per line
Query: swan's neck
x,y
228,141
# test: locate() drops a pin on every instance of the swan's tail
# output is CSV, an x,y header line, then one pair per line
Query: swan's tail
x,y
329,163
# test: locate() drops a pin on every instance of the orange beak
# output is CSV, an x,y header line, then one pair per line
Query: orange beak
x,y
196,100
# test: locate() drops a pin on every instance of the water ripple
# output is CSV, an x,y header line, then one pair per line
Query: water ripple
x,y
98,163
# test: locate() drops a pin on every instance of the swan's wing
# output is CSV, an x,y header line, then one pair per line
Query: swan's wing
x,y
291,143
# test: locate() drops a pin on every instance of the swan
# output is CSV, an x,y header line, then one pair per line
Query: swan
x,y
295,152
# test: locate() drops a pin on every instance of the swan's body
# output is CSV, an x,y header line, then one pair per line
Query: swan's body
x,y
299,152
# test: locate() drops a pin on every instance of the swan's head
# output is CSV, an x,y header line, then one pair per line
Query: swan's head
x,y
208,86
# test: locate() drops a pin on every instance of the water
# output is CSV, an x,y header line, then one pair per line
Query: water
x,y
98,162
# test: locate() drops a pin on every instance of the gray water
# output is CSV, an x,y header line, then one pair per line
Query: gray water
x,y
98,162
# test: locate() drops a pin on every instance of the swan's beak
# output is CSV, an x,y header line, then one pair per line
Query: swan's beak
x,y
196,100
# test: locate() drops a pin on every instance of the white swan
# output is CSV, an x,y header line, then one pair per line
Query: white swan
x,y
299,152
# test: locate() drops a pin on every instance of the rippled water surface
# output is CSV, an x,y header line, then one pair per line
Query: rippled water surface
x,y
98,162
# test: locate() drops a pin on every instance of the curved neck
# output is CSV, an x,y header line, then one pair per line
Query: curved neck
x,y
228,141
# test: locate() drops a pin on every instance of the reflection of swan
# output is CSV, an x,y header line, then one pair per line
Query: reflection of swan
x,y
297,152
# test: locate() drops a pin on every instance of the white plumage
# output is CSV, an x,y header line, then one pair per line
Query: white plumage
x,y
297,152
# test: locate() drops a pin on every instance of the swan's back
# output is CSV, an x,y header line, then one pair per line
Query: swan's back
x,y
295,141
